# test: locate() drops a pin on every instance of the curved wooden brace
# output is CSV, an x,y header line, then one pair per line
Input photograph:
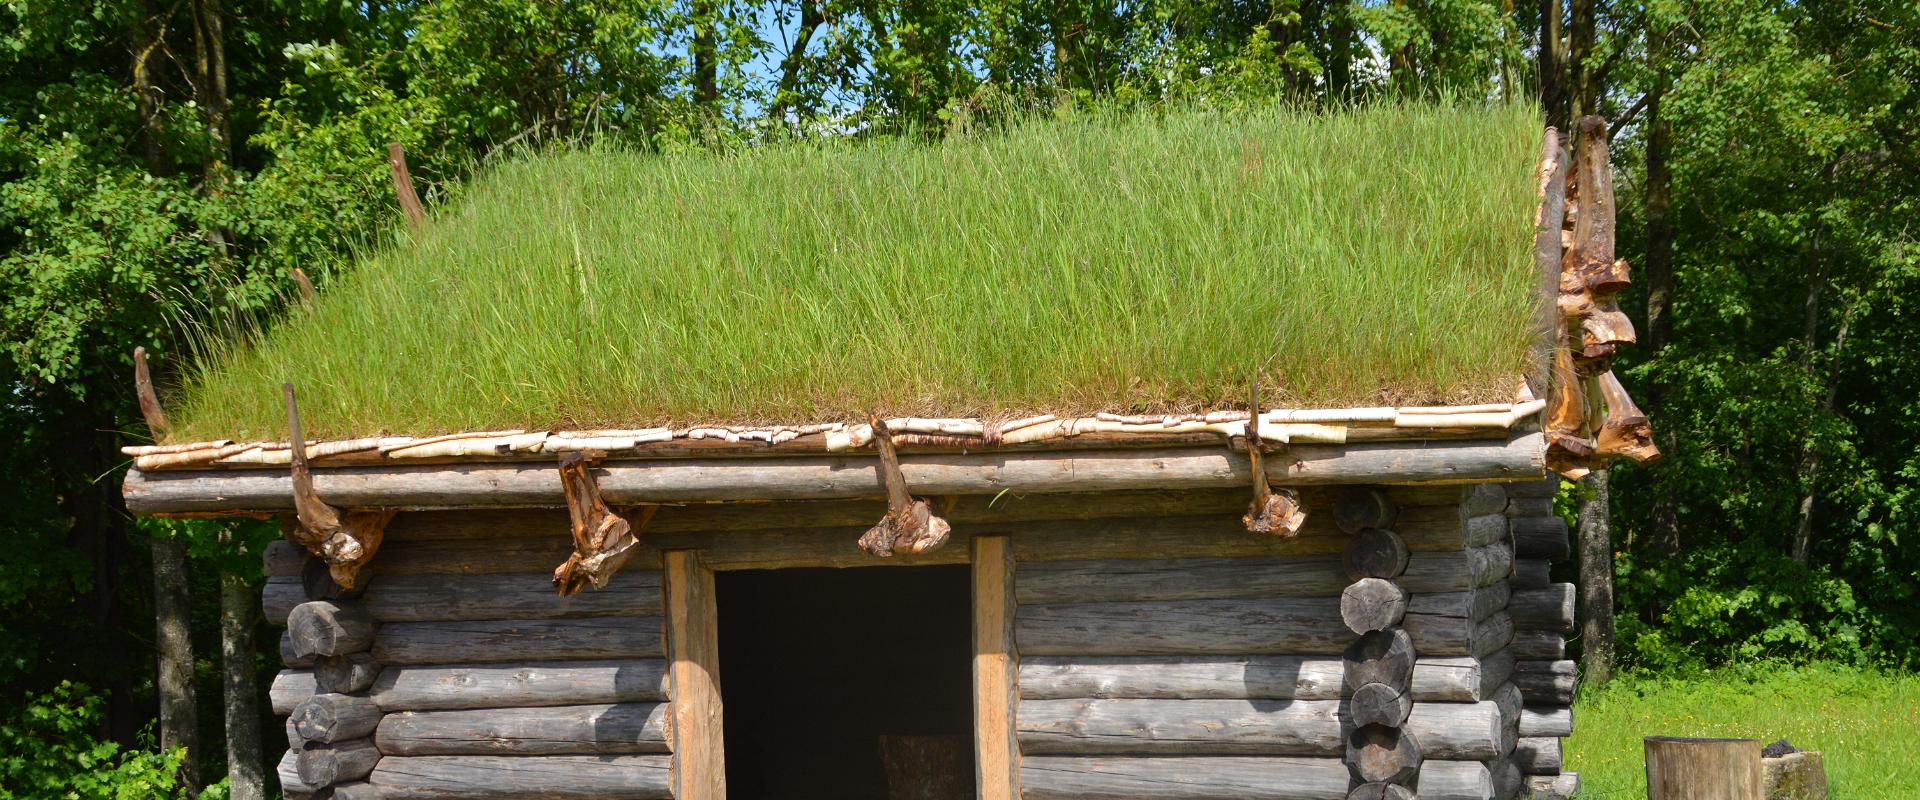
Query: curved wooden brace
x,y
149,401
345,541
1626,431
602,540
910,525
1273,512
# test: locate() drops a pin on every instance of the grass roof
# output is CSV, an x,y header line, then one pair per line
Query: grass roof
x,y
1139,263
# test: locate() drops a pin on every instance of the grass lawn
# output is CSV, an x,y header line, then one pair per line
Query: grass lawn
x,y
1863,721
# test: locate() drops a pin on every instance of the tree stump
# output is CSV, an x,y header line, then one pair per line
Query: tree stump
x,y
1795,776
1703,769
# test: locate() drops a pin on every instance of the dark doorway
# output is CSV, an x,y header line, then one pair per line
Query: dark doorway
x,y
823,669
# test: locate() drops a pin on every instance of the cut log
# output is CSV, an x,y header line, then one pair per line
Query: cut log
x,y
1473,604
1384,755
1379,704
1794,776
291,659
507,485
1530,507
1538,645
1545,683
322,628
290,686
1228,778
346,674
279,596
283,559
1233,678
1485,530
1531,573
328,718
427,598
1445,779
1457,636
1541,537
1507,780
1564,786
1537,755
1483,499
328,764
1381,791
1382,657
1495,672
291,786
356,790
557,683
1546,721
294,739
496,641
1548,609
1375,553
1445,572
1202,727
1703,769
631,777
1372,604
1357,509
558,730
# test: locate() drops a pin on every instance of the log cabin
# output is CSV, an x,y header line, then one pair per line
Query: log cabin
x,y
1240,602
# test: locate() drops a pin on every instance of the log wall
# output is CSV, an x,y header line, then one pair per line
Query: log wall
x,y
1543,616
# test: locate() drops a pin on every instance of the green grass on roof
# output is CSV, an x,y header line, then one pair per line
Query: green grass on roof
x,y
1139,263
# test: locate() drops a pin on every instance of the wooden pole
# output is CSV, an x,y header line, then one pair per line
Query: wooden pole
x,y
403,186
149,402
996,670
1702,769
693,645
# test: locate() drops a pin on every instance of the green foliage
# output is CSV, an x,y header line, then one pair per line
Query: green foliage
x,y
48,750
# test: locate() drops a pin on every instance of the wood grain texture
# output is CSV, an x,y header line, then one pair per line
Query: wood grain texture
x,y
1375,553
1462,569
1458,636
1531,573
328,764
552,683
323,628
428,598
1537,755
1546,721
605,728
1541,537
331,717
996,670
346,674
1272,626
693,631
1214,727
291,787
290,686
1474,604
1702,769
1230,678
278,597
1538,645
1547,609
1546,683
1228,778
510,641
630,777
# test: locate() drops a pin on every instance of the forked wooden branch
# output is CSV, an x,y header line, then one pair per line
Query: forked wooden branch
x,y
910,525
149,401
345,541
1626,431
1272,513
602,540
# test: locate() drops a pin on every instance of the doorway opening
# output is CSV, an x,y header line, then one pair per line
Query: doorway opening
x,y
851,684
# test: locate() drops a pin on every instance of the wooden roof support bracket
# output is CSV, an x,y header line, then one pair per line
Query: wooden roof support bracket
x,y
910,525
602,540
1274,512
149,401
345,541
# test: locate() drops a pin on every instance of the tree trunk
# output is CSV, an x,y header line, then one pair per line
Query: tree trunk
x,y
1584,90
1657,272
1552,66
786,95
1808,470
1596,579
706,61
246,775
173,637
1340,52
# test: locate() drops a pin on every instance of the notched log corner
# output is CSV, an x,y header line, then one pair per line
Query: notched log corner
x,y
910,525
346,541
602,540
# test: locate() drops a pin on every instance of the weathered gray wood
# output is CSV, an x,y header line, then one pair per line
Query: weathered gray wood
x,y
1541,537
1473,604
294,739
289,658
1440,635
1455,779
278,597
1384,657
1542,487
1703,769
1537,755
346,674
283,559
1546,721
783,478
290,686
356,790
1564,786
1183,778
556,683
1375,553
1538,645
426,598
1372,604
619,777
1201,727
1485,530
1181,579
1530,507
1381,791
324,628
496,641
1381,754
1379,704
329,717
1230,678
1507,780
317,578
291,787
1484,498
1548,609
1545,683
1531,573
1496,670
1445,572
1359,508
557,730
328,764
1508,704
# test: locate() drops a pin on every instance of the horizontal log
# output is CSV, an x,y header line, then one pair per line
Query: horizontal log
x,y
1545,683
1114,580
290,686
1538,645
1484,498
553,683
427,598
796,478
291,787
606,728
1564,786
1496,671
1456,570
348,674
1531,573
1230,678
1485,530
1541,537
355,790
1474,604
328,764
1440,635
1213,727
1372,604
1273,626
1379,704
283,559
1379,754
623,777
1538,755
1530,507
1227,778
330,717
278,597
323,628
1375,553
496,641
1360,508
1546,721
1385,657
1548,609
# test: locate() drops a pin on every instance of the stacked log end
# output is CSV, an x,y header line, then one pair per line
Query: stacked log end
x,y
1542,614
330,717
1382,754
